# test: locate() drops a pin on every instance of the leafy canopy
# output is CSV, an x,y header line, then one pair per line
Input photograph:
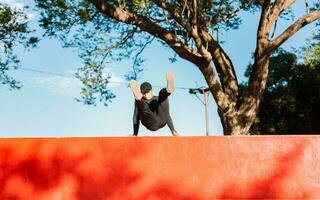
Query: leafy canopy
x,y
102,40
14,31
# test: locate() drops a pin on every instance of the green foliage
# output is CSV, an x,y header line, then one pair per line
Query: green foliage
x,y
312,51
138,4
102,40
98,39
94,82
291,102
14,31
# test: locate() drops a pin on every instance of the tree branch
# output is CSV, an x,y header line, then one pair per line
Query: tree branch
x,y
176,16
263,30
222,61
225,69
277,8
147,25
295,27
192,30
220,97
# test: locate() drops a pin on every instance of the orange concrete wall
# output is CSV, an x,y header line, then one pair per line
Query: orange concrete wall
x,y
158,168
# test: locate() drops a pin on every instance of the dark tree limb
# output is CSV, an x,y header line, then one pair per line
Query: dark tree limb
x,y
147,25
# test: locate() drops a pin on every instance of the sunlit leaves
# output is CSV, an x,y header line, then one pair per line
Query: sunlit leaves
x,y
14,31
95,83
312,51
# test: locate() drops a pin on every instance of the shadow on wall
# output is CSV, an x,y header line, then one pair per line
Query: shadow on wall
x,y
86,175
274,185
100,169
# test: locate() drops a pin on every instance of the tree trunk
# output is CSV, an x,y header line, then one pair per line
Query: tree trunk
x,y
237,118
236,123
232,123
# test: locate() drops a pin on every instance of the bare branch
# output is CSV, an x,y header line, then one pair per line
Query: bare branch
x,y
277,8
295,27
195,13
174,14
122,40
307,6
193,30
136,66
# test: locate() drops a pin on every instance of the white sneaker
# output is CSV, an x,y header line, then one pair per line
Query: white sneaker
x,y
135,90
170,83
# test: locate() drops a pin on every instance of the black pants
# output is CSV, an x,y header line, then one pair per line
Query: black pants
x,y
154,113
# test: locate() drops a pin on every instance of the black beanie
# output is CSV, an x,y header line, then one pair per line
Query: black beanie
x,y
145,87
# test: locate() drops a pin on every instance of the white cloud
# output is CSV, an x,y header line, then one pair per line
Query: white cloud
x,y
115,81
19,6
61,85
13,4
69,85
31,16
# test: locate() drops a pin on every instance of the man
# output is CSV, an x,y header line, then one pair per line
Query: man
x,y
152,111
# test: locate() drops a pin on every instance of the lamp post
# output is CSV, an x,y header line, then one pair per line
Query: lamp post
x,y
205,92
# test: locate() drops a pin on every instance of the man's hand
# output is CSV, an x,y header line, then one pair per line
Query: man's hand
x,y
174,133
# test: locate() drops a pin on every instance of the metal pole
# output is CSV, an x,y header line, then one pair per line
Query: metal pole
x,y
206,111
205,92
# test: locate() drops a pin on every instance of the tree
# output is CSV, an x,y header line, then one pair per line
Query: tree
x,y
116,29
291,102
312,50
14,31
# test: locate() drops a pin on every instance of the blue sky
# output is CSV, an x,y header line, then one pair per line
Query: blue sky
x,y
46,106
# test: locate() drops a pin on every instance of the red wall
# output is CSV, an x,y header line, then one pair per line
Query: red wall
x,y
157,168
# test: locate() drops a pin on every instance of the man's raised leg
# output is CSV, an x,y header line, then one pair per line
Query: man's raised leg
x,y
165,92
135,90
170,83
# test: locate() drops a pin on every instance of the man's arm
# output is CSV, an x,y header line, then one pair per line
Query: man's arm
x,y
136,120
170,124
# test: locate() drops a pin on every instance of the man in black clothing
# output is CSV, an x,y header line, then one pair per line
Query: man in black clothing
x,y
152,111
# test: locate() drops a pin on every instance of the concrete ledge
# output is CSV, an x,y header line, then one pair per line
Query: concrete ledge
x,y
157,168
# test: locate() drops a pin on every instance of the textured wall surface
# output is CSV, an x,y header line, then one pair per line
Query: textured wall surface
x,y
157,168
